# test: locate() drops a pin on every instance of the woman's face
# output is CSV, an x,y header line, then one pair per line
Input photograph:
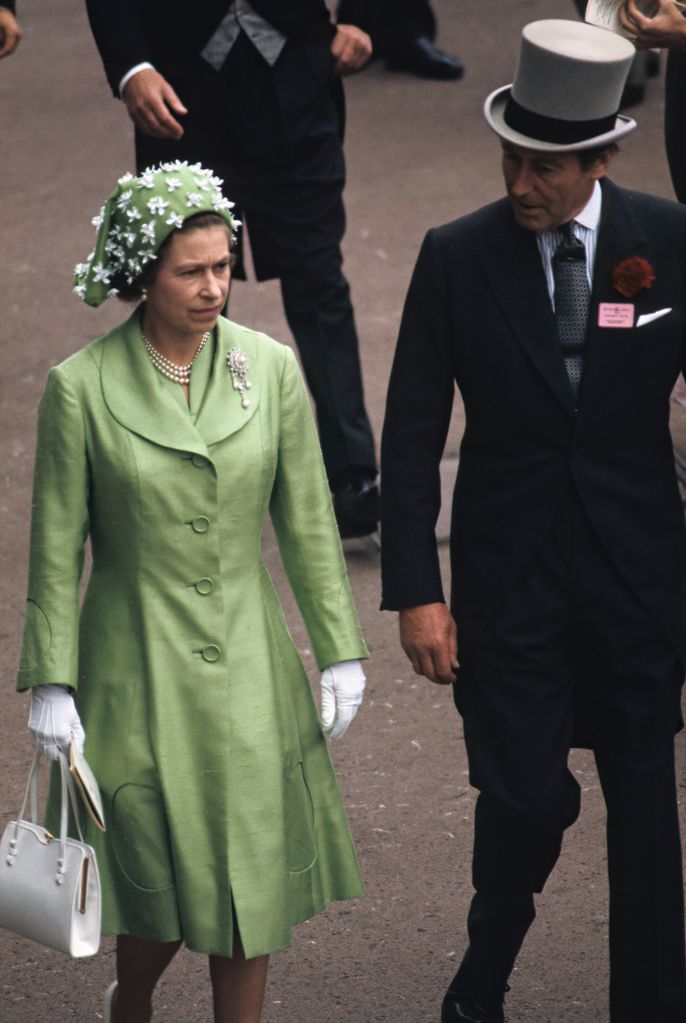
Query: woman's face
x,y
191,284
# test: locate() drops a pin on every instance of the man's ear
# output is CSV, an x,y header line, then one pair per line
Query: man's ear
x,y
602,163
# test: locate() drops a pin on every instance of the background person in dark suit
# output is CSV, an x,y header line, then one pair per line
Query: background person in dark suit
x,y
645,65
252,90
559,312
404,32
666,28
10,32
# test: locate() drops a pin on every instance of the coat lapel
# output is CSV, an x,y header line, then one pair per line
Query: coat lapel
x,y
139,398
508,261
222,412
620,236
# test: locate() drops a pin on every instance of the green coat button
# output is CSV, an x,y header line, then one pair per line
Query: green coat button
x,y
199,461
200,524
211,653
204,586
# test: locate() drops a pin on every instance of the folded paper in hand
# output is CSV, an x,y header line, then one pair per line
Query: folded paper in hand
x,y
86,786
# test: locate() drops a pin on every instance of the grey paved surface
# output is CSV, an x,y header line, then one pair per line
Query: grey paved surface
x,y
418,155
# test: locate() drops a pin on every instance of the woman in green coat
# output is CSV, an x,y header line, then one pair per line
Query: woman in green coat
x,y
167,442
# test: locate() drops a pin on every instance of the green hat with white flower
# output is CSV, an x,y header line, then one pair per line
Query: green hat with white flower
x,y
139,215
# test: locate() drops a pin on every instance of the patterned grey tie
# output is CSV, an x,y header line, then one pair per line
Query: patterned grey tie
x,y
572,302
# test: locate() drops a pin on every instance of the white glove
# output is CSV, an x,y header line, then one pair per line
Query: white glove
x,y
54,720
342,690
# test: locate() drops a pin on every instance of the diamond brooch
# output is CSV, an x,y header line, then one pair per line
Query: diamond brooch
x,y
237,361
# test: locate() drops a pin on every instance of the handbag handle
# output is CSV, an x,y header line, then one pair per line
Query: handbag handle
x,y
68,795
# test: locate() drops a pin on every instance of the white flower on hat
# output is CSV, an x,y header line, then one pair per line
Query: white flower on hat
x,y
147,179
99,217
175,219
101,273
112,292
172,184
80,290
129,239
220,203
125,178
157,204
124,199
147,255
148,231
193,199
114,251
133,214
81,268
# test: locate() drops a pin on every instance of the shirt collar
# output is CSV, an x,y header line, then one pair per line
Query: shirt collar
x,y
589,216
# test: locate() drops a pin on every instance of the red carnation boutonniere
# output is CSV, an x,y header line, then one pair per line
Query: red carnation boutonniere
x,y
632,275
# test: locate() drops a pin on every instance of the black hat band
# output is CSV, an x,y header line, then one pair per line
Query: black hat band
x,y
552,129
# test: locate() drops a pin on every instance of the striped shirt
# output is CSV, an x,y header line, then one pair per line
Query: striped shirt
x,y
584,229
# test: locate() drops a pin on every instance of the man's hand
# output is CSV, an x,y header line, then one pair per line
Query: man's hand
x,y
667,28
149,99
10,33
428,635
351,47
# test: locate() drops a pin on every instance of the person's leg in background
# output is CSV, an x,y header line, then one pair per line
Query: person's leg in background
x,y
404,32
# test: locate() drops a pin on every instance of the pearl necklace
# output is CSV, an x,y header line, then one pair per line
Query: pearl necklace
x,y
172,370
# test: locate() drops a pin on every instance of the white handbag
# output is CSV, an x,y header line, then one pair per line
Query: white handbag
x,y
50,887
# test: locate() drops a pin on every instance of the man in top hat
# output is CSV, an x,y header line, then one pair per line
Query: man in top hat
x,y
560,313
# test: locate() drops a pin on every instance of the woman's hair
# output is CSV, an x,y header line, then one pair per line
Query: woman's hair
x,y
134,291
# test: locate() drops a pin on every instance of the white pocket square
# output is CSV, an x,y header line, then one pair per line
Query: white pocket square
x,y
649,317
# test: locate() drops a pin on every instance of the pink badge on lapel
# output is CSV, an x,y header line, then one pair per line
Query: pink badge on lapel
x,y
616,314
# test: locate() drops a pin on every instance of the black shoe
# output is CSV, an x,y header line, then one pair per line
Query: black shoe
x,y
358,508
420,57
455,1010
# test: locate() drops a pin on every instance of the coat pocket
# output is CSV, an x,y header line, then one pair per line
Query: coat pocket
x,y
140,837
301,850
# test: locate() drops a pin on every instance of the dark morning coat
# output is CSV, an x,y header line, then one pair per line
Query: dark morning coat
x,y
478,315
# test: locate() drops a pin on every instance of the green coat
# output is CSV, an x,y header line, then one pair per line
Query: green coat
x,y
220,796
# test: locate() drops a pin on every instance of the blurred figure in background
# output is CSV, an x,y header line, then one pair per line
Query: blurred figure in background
x,y
403,31
645,65
667,28
10,32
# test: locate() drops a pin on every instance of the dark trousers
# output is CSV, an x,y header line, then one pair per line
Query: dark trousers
x,y
675,141
573,658
390,23
274,136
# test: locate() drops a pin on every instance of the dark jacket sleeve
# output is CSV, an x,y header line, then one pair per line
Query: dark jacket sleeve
x,y
120,36
420,399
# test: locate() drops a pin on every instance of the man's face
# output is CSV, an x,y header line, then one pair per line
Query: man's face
x,y
548,189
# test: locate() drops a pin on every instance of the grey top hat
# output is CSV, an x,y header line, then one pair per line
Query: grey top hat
x,y
567,88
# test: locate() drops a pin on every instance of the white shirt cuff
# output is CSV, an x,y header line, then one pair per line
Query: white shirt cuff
x,y
134,71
